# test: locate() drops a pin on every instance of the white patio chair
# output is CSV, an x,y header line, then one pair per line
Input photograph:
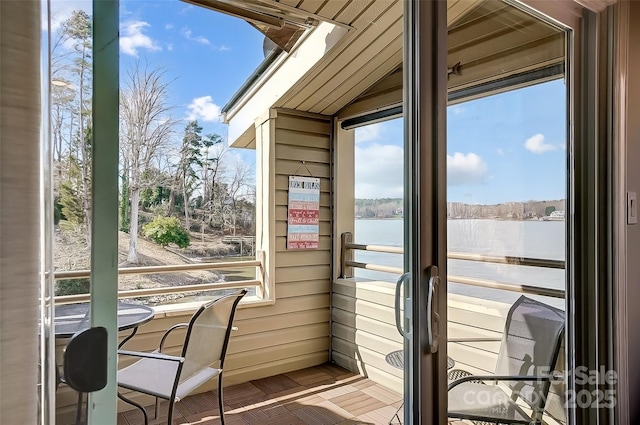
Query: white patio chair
x,y
529,350
174,377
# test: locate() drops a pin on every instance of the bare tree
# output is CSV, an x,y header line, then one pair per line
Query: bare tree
x,y
146,131
212,173
63,93
71,108
78,28
62,112
240,182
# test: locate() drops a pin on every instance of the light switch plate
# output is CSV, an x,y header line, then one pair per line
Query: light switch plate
x,y
632,208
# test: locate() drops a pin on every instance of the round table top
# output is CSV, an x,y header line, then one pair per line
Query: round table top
x,y
71,318
396,359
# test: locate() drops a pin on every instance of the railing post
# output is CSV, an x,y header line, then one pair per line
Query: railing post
x,y
346,254
260,256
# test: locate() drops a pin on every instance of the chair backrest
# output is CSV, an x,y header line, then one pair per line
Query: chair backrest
x,y
85,360
530,346
208,334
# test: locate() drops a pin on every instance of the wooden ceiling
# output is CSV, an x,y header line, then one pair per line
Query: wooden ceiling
x,y
364,56
491,40
496,40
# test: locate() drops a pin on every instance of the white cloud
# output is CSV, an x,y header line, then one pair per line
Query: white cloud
x,y
197,38
368,133
457,110
223,48
170,47
536,144
203,108
379,171
168,26
465,169
124,10
132,38
500,151
186,9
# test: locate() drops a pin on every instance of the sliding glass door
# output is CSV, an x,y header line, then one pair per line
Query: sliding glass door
x,y
491,225
80,193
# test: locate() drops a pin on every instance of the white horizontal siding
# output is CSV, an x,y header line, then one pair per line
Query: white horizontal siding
x,y
364,332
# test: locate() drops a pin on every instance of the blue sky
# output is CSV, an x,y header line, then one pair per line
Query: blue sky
x,y
206,55
507,147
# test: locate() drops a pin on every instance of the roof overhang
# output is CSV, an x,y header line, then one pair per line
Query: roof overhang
x,y
281,23
280,78
338,72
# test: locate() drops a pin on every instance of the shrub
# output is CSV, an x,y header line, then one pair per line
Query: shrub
x,y
73,286
166,230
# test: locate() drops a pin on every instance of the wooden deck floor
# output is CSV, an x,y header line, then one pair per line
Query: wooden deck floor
x,y
319,395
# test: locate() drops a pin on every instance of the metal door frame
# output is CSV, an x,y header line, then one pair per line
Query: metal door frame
x,y
588,231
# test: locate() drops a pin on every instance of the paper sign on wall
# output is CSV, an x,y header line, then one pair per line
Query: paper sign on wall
x,y
303,213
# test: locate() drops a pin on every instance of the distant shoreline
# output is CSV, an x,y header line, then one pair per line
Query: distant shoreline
x,y
393,209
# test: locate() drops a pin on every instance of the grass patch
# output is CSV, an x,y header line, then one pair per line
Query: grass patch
x,y
234,275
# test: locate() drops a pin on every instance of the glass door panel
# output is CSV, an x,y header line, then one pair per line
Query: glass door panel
x,y
80,170
508,146
488,209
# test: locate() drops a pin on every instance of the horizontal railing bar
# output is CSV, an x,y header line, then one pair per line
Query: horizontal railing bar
x,y
77,274
386,269
71,299
483,283
524,289
518,261
376,248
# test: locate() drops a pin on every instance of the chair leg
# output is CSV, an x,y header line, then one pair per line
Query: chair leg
x,y
397,415
220,405
170,414
79,409
133,403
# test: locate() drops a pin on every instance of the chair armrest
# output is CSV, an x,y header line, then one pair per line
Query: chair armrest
x,y
168,331
154,355
496,378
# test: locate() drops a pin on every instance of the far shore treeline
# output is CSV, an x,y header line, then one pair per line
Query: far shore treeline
x,y
528,210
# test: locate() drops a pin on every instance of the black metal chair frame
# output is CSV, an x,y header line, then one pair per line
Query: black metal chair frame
x,y
181,359
546,379
85,364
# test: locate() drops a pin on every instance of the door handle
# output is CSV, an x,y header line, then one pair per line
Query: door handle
x,y
404,278
432,316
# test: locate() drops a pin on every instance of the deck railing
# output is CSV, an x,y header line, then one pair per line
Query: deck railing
x,y
147,292
347,264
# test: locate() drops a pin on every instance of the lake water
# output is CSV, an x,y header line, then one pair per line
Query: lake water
x,y
534,239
